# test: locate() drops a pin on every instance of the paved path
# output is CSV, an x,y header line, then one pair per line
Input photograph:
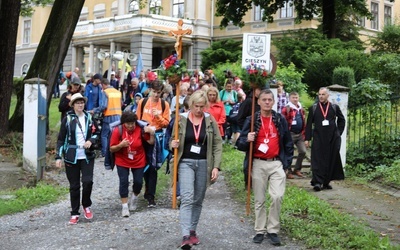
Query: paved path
x,y
222,224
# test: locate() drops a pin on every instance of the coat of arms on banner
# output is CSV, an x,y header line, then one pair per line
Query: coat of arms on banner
x,y
256,45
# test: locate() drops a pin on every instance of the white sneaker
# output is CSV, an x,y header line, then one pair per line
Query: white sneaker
x,y
125,211
133,203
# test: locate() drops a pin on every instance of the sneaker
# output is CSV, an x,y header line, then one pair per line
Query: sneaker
x,y
258,238
88,213
298,173
133,203
274,238
74,220
152,203
125,211
193,238
186,243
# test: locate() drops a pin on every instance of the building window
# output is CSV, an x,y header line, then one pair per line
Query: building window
x,y
178,8
258,13
27,32
375,16
287,10
134,7
361,21
155,7
388,15
99,11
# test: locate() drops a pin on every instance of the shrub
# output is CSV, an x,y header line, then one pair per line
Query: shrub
x,y
343,76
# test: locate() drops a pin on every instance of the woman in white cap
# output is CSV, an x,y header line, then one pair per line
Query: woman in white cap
x,y
74,142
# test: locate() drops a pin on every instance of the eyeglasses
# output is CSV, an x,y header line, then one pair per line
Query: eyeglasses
x,y
77,102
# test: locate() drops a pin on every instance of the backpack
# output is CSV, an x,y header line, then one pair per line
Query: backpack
x,y
232,118
118,125
112,155
144,104
234,94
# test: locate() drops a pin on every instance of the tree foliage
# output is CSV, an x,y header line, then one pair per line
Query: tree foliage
x,y
305,10
221,51
388,40
291,77
343,76
386,68
28,5
319,67
295,45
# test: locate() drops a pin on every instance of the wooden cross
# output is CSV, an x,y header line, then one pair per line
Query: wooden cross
x,y
178,36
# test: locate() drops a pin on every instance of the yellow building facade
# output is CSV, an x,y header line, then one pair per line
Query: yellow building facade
x,y
121,25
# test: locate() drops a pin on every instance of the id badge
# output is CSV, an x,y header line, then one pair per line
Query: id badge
x,y
130,156
263,148
195,149
294,122
325,123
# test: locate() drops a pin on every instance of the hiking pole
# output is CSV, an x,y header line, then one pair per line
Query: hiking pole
x,y
250,163
176,137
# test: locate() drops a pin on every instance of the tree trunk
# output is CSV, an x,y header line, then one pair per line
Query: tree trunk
x,y
51,52
329,18
9,15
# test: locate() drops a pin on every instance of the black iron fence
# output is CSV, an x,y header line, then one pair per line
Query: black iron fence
x,y
373,130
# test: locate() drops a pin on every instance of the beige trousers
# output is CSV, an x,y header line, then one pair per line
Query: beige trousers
x,y
268,174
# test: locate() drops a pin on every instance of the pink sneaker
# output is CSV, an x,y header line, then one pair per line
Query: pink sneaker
x,y
88,213
74,220
193,238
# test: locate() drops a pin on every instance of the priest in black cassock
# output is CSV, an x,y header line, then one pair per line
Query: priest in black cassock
x,y
325,131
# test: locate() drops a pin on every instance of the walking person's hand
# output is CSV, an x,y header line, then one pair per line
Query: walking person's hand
x,y
58,163
214,174
307,144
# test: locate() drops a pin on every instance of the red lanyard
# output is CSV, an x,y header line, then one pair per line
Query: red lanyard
x,y
196,131
265,131
324,113
130,139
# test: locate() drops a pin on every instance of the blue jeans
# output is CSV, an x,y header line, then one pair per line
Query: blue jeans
x,y
193,185
123,174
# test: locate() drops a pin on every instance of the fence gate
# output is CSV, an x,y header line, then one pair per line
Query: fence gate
x,y
41,133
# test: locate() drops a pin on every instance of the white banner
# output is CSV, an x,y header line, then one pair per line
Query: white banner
x,y
256,50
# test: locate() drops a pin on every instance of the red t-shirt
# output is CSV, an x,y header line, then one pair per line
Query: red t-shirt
x,y
135,150
269,132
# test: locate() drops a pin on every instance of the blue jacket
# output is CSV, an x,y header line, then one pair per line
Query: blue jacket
x,y
88,93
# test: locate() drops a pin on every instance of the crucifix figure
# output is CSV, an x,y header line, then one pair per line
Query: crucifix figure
x,y
178,36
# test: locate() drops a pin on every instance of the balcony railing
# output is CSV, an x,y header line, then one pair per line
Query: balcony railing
x,y
128,23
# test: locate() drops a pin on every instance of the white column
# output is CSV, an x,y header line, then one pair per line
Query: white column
x,y
340,96
31,123
91,58
201,10
121,7
112,51
73,58
97,62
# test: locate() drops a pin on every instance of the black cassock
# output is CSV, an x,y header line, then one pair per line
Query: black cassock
x,y
326,164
